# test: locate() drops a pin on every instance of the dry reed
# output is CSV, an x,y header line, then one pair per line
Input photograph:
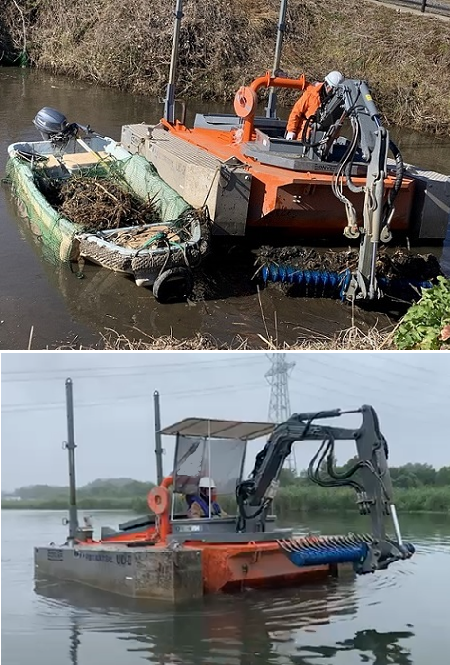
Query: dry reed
x,y
224,44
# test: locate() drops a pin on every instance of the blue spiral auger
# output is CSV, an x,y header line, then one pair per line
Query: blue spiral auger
x,y
329,284
322,550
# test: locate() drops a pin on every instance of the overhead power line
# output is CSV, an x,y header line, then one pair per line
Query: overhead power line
x,y
105,372
205,390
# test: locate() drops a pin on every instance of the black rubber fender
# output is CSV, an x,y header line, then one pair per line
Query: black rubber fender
x,y
173,285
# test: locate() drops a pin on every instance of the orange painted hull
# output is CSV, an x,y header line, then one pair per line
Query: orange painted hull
x,y
232,567
294,201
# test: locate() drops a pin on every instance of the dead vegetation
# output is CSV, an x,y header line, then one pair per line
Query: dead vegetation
x,y
97,204
399,264
224,44
352,339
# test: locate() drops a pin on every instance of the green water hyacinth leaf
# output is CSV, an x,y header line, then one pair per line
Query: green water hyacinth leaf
x,y
426,325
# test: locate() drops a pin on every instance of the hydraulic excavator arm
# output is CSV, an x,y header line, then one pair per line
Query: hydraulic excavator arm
x,y
352,100
369,477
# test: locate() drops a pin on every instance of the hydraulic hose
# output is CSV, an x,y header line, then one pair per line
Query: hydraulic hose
x,y
399,171
348,157
349,161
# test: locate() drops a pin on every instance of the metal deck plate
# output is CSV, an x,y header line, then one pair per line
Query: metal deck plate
x,y
295,162
194,533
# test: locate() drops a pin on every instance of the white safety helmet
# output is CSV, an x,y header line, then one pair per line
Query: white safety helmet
x,y
333,79
207,483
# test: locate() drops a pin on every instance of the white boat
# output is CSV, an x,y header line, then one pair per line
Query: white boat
x,y
161,254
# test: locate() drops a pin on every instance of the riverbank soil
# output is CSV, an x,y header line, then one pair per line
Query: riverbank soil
x,y
406,58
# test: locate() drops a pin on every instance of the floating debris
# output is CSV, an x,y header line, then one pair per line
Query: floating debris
x,y
305,258
404,264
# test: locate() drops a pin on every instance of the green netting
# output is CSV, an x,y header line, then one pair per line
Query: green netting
x,y
143,177
57,232
54,231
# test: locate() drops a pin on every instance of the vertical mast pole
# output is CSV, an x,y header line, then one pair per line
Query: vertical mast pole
x,y
272,103
70,445
169,102
158,446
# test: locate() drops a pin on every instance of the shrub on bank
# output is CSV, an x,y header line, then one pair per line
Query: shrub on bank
x,y
426,324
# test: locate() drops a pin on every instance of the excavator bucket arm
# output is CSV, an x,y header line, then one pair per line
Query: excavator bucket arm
x,y
371,139
369,477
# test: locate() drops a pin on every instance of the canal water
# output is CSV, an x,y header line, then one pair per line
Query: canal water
x,y
63,309
395,617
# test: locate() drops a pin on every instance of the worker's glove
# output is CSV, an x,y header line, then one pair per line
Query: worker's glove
x,y
290,136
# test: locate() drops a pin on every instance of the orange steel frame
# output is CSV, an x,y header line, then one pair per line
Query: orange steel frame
x,y
283,198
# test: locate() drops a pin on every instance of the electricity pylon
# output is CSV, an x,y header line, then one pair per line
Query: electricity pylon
x,y
279,405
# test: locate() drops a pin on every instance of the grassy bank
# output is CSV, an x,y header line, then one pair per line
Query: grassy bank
x,y
289,499
406,58
353,338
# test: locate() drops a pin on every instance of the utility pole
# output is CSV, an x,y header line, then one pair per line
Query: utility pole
x,y
279,405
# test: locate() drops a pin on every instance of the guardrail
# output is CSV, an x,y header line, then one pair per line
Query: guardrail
x,y
431,7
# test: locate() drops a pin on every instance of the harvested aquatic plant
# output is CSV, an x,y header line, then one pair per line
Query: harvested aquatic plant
x,y
97,204
405,264
401,263
306,258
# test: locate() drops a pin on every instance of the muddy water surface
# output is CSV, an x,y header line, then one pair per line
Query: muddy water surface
x,y
64,309
395,617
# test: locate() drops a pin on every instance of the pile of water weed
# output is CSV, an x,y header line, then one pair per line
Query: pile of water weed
x,y
97,204
399,263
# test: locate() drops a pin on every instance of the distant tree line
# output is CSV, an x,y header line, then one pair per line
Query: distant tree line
x,y
418,488
114,488
100,494
411,475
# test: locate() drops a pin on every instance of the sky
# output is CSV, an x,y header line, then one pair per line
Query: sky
x,y
113,399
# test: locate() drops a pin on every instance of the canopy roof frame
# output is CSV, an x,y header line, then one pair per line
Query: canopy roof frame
x,y
220,429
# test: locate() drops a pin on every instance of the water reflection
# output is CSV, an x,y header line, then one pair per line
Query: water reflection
x,y
227,629
373,646
256,627
74,641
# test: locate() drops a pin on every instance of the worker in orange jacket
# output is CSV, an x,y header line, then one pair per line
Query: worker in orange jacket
x,y
309,103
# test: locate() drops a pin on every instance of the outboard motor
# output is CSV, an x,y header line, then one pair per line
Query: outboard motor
x,y
50,122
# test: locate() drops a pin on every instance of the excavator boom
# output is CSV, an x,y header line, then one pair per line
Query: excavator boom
x,y
369,477
352,100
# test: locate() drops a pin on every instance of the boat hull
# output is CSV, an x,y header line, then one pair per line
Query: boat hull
x,y
307,208
234,567
249,198
175,573
146,261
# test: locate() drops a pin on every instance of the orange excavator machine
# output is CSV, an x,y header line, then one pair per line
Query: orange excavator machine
x,y
248,549
254,182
